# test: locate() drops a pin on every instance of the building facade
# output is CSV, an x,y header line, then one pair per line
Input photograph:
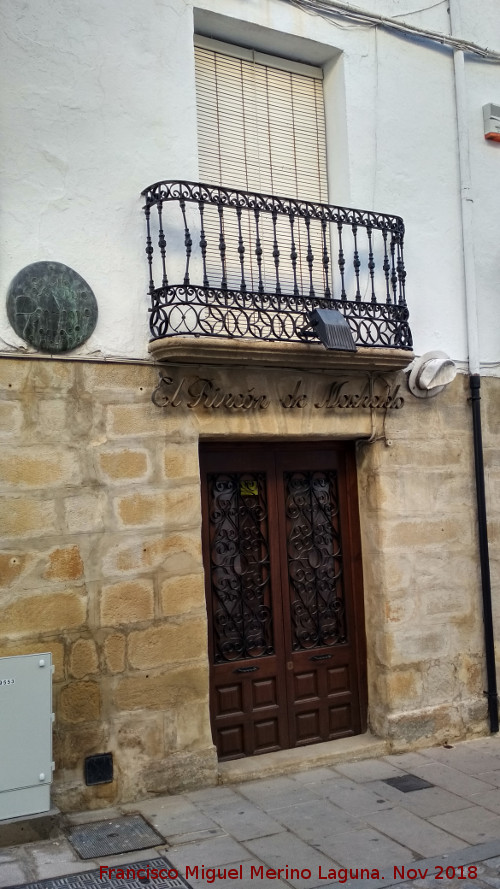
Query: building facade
x,y
233,539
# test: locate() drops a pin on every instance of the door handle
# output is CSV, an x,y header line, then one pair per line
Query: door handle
x,y
320,657
245,670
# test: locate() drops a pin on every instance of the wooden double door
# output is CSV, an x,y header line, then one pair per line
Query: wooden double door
x,y
285,605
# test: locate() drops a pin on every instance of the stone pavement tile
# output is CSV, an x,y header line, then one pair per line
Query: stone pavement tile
x,y
368,770
285,849
195,836
314,776
315,820
211,853
241,818
427,802
492,862
93,815
357,799
474,824
172,816
249,878
53,858
12,873
406,761
276,793
490,777
452,779
492,880
212,794
468,759
490,800
364,848
413,832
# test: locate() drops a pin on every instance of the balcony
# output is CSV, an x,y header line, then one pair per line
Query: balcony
x,y
233,272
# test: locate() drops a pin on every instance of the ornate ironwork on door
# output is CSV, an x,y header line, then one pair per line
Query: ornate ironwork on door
x,y
284,594
314,554
239,565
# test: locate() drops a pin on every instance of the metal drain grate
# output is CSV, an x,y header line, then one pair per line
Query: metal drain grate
x,y
128,834
408,783
92,880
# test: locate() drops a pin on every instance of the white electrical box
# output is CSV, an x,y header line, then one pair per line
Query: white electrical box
x,y
491,115
25,734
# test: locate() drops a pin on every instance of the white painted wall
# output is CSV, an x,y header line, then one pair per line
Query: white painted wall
x,y
99,102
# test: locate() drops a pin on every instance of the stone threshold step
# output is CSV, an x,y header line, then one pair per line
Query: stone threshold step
x,y
282,762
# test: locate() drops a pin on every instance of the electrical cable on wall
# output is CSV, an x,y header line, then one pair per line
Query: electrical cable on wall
x,y
330,9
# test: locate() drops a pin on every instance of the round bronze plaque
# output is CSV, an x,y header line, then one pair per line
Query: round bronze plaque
x,y
51,307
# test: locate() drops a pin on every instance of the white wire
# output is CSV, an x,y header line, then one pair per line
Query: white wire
x,y
335,9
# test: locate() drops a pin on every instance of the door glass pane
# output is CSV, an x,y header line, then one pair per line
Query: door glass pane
x,y
239,566
314,553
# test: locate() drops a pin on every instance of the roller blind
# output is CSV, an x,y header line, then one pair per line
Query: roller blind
x,y
261,127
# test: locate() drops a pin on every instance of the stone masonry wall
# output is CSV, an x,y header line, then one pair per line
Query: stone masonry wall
x,y
421,567
100,561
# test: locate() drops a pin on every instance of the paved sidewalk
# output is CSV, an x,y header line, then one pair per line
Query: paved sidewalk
x,y
308,829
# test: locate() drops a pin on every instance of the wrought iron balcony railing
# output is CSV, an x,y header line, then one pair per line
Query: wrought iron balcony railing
x,y
240,264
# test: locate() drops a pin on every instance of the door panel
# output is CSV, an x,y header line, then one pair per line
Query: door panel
x,y
283,595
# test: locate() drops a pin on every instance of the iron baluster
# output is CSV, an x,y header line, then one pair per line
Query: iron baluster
x,y
222,247
394,276
356,262
258,249
401,271
149,249
326,260
293,255
387,267
371,262
341,263
309,256
162,244
203,245
188,243
241,252
276,252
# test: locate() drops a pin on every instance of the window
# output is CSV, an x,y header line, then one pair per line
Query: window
x,y
261,127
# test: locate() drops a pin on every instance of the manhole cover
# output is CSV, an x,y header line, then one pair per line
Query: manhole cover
x,y
126,834
408,783
135,876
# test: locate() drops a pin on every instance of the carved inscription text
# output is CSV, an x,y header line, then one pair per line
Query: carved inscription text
x,y
192,392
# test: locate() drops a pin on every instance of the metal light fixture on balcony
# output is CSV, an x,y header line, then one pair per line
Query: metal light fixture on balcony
x,y
331,328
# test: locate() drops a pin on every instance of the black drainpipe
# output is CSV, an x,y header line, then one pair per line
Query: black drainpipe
x,y
489,641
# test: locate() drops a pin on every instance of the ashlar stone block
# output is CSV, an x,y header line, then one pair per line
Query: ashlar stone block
x,y
11,419
127,602
79,702
27,517
163,690
124,465
64,563
181,461
114,652
182,594
84,659
45,613
167,643
179,507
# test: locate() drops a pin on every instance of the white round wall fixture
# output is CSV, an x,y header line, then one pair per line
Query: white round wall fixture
x,y
430,373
